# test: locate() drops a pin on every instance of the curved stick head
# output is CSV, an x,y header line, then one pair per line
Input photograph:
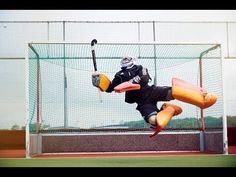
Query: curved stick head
x,y
94,41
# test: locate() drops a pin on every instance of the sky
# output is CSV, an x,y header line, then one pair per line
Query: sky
x,y
12,99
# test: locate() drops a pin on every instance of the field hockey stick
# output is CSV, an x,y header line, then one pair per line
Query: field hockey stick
x,y
93,42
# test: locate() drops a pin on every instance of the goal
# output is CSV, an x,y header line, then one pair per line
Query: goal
x,y
61,99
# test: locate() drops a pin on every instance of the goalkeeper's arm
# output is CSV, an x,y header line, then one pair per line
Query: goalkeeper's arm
x,y
142,78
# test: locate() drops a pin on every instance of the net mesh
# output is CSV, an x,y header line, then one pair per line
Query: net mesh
x,y
67,99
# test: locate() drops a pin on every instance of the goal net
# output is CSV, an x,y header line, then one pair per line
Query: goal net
x,y
61,97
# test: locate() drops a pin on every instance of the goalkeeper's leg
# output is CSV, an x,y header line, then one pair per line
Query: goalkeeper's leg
x,y
189,93
162,118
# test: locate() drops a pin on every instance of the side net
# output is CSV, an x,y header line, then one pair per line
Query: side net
x,y
62,98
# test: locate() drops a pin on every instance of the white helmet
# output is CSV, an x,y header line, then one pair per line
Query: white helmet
x,y
127,62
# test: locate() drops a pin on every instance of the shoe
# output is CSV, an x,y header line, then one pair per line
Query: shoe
x,y
157,130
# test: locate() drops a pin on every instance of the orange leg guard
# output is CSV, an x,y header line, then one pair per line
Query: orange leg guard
x,y
164,116
189,93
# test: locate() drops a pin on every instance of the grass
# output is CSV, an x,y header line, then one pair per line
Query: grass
x,y
154,161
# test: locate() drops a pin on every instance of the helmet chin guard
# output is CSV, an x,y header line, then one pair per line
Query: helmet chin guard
x,y
127,62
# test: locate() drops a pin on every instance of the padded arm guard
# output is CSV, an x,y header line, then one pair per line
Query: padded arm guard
x,y
186,92
126,86
101,81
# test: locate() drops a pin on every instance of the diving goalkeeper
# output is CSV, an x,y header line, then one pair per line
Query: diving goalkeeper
x,y
133,79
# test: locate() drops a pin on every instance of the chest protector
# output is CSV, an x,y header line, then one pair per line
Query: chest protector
x,y
132,96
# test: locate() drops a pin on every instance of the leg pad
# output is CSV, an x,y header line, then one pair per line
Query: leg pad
x,y
164,116
189,93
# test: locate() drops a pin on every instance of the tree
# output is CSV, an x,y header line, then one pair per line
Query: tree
x,y
15,127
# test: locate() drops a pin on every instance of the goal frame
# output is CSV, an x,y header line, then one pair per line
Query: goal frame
x,y
224,118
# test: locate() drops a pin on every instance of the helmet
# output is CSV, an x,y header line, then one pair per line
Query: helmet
x,y
127,62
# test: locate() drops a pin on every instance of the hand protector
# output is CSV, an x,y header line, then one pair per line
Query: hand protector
x,y
101,81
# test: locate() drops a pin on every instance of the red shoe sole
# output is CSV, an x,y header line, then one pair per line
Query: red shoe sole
x,y
156,132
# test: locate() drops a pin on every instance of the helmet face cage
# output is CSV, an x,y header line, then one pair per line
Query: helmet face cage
x,y
127,62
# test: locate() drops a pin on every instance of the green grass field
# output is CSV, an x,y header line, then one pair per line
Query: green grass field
x,y
153,161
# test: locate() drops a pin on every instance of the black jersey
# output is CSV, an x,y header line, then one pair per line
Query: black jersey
x,y
127,74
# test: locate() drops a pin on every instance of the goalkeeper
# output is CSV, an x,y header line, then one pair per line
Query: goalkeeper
x,y
133,79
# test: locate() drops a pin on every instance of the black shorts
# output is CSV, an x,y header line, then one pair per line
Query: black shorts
x,y
148,106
